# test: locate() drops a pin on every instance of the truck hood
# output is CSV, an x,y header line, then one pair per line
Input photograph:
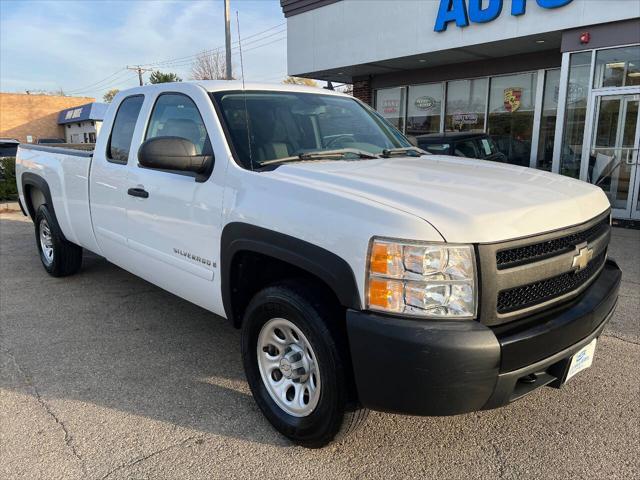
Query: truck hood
x,y
465,200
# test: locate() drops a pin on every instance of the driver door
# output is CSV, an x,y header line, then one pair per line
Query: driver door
x,y
173,219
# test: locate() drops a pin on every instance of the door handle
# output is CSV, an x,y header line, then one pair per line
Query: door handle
x,y
138,192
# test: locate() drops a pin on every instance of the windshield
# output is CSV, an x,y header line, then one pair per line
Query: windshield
x,y
289,124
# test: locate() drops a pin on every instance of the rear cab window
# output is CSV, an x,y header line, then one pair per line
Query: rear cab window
x,y
124,124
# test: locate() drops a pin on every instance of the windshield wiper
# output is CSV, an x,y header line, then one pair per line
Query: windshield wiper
x,y
323,154
406,151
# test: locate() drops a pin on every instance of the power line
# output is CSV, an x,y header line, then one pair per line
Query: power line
x,y
126,80
211,50
104,85
265,44
182,61
122,81
88,87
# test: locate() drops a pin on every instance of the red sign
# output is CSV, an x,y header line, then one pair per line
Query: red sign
x,y
390,106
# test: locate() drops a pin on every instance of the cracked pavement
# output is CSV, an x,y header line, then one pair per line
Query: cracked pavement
x,y
104,376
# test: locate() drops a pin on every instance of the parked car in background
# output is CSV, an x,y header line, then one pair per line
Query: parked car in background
x,y
8,147
461,144
49,141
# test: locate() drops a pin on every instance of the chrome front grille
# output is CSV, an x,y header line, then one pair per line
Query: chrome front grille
x,y
524,276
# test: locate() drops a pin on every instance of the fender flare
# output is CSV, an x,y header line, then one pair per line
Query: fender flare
x,y
327,266
31,179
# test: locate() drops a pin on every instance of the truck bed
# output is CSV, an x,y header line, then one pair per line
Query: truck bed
x,y
66,172
65,148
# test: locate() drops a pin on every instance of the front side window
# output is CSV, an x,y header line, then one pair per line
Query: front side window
x,y
266,126
123,127
175,115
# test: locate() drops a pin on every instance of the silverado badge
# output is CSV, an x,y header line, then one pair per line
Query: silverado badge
x,y
195,258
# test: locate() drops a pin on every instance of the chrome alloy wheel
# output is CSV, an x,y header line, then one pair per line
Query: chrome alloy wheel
x,y
288,367
46,242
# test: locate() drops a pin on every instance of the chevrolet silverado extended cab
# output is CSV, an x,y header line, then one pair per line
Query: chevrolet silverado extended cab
x,y
364,273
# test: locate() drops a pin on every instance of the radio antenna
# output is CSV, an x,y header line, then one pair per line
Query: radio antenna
x,y
246,110
240,47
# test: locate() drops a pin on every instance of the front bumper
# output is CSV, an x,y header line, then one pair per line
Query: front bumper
x,y
422,367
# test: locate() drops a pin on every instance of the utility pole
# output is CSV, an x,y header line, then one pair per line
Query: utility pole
x,y
140,71
227,39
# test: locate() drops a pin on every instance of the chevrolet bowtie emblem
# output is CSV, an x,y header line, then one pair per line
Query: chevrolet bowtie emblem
x,y
582,258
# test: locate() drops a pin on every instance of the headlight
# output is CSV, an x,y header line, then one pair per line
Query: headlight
x,y
431,280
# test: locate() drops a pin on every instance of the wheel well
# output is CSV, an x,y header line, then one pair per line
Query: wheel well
x,y
34,197
251,272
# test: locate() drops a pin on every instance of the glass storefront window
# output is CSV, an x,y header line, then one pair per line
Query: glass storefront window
x,y
617,67
512,102
575,113
612,147
423,110
466,105
548,119
390,103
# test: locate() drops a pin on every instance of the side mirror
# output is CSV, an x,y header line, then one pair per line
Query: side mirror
x,y
173,153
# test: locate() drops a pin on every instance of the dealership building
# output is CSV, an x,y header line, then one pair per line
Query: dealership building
x,y
556,83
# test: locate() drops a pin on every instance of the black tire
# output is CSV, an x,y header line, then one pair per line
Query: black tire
x,y
334,415
67,256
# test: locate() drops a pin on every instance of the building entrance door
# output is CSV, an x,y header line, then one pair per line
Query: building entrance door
x,y
613,151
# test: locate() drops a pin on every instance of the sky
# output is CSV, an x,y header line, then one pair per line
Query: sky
x,y
83,47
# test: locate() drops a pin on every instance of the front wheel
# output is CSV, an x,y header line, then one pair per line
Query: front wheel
x,y
59,257
294,367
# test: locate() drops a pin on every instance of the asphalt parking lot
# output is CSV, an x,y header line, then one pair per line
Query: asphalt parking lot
x,y
105,376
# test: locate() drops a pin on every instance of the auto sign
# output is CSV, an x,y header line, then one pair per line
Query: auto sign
x,y
425,103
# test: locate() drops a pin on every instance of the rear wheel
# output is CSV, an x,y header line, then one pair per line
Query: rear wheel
x,y
59,257
294,367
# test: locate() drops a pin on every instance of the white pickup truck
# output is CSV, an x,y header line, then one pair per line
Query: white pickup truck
x,y
363,273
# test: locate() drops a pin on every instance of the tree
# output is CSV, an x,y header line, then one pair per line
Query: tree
x,y
107,97
307,82
209,66
160,77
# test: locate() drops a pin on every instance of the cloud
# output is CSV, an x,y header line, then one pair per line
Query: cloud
x,y
72,45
